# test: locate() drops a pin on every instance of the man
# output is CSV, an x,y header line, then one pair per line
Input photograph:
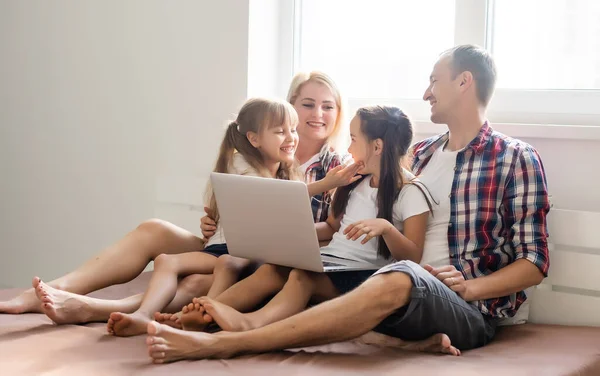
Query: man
x,y
492,195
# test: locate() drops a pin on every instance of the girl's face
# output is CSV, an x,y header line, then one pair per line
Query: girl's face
x,y
277,144
317,112
363,150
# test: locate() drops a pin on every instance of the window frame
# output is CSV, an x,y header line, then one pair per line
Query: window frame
x,y
509,107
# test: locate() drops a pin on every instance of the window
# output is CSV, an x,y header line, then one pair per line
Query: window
x,y
541,44
547,52
374,49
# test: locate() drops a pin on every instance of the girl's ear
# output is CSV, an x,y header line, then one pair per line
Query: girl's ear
x,y
378,145
253,139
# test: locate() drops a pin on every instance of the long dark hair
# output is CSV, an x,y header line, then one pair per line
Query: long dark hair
x,y
395,129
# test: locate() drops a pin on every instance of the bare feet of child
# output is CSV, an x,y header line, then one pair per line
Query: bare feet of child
x,y
194,317
62,307
24,303
166,344
171,319
226,317
127,325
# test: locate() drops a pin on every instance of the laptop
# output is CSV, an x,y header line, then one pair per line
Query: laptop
x,y
271,221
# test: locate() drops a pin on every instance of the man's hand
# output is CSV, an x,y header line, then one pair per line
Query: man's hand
x,y
451,278
370,227
207,224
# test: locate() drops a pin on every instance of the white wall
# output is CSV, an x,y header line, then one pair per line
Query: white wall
x,y
105,108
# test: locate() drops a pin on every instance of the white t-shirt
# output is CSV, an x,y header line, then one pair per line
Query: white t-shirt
x,y
239,166
303,167
438,176
362,204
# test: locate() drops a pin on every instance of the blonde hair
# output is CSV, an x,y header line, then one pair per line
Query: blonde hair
x,y
337,140
256,115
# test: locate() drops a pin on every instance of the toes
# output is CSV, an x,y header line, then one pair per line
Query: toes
x,y
153,328
158,347
157,355
153,340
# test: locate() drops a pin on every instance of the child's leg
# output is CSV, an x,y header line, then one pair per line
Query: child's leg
x,y
116,264
161,290
226,273
243,296
292,299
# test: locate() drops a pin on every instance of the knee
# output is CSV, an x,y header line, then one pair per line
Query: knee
x,y
301,277
230,264
271,272
154,227
164,262
391,289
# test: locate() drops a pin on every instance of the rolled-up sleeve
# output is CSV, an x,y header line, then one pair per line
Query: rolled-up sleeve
x,y
527,206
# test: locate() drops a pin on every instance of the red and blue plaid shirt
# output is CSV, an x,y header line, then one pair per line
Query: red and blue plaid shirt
x,y
499,202
328,160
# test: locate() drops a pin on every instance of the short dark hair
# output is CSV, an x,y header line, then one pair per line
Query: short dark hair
x,y
474,59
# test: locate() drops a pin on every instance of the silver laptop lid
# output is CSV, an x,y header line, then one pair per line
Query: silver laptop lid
x,y
268,220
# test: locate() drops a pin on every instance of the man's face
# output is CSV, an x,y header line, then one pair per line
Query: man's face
x,y
443,91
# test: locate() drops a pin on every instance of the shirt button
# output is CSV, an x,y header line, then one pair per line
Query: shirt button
x,y
450,224
450,195
455,168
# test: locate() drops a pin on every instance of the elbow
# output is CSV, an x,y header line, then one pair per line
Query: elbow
x,y
538,277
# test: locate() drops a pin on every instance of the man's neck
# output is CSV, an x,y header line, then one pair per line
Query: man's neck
x,y
306,149
464,129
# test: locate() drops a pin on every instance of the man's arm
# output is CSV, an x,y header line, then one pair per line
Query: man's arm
x,y
526,203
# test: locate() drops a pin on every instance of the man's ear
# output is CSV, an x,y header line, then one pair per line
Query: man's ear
x,y
466,80
253,139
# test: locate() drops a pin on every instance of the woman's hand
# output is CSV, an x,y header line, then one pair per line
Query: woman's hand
x,y
369,227
207,224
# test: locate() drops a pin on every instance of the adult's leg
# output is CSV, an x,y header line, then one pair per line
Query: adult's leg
x,y
343,318
161,290
116,264
292,299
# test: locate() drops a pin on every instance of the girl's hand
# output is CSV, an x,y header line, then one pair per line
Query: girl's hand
x,y
369,227
207,224
342,175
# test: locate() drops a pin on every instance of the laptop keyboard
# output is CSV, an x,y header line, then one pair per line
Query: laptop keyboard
x,y
327,263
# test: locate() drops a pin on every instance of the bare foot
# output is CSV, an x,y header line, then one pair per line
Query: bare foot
x,y
194,317
171,319
24,303
226,317
437,343
60,306
166,344
127,324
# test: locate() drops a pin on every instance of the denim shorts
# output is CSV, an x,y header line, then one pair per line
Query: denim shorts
x,y
435,308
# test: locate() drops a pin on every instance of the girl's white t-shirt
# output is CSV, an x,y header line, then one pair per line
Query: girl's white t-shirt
x,y
362,204
238,166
